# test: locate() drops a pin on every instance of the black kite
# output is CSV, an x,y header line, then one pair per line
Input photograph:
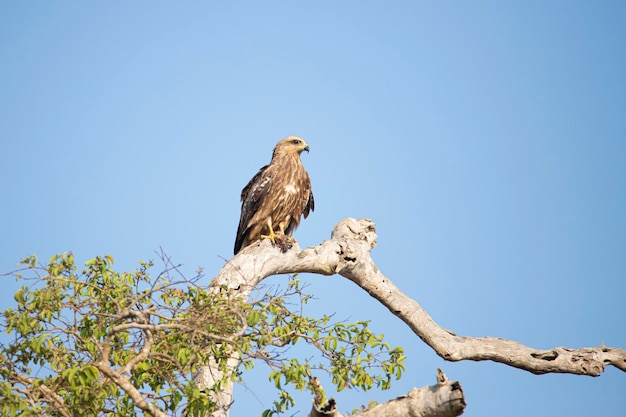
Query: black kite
x,y
277,196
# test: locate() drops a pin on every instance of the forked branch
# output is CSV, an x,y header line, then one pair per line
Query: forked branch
x,y
347,253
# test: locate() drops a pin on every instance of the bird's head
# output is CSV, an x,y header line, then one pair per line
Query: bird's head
x,y
290,145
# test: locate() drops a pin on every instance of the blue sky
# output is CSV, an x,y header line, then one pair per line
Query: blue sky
x,y
485,139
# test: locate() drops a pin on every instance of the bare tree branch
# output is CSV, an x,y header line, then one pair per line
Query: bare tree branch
x,y
445,399
347,253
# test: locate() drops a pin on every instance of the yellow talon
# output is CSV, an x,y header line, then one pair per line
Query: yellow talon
x,y
283,241
271,236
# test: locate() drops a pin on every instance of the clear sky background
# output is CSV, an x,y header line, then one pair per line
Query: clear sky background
x,y
486,139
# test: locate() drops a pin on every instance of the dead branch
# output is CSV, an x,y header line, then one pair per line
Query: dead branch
x,y
444,399
347,253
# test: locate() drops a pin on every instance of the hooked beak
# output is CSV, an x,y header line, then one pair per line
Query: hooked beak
x,y
306,148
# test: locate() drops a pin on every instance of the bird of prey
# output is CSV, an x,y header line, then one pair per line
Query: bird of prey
x,y
276,197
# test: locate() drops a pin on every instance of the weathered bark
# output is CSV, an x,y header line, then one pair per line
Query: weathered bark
x,y
445,399
207,376
347,253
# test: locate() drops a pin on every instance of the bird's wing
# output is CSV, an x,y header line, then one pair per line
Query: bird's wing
x,y
310,205
252,197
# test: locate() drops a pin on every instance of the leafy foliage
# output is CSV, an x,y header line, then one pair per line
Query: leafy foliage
x,y
101,342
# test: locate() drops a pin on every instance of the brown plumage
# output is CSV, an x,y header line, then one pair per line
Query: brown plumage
x,y
276,197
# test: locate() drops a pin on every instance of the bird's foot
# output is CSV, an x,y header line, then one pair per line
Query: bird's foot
x,y
283,241
271,236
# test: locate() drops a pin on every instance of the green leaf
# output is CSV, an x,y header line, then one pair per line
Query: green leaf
x,y
253,318
275,377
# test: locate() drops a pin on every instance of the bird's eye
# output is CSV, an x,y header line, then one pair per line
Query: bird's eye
x,y
295,142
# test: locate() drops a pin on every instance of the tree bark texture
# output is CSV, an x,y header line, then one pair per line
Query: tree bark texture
x,y
347,253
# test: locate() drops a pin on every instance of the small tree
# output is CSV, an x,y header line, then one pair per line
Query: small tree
x,y
101,342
